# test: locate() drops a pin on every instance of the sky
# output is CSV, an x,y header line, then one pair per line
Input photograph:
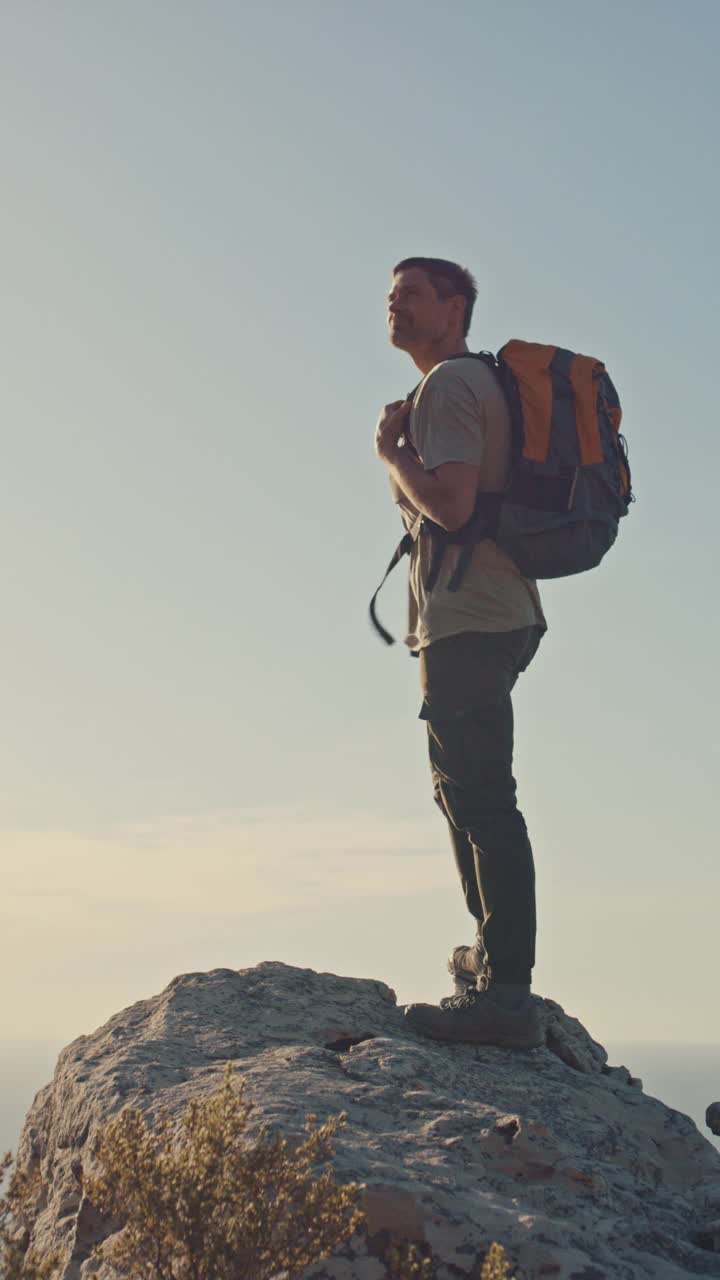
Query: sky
x,y
209,758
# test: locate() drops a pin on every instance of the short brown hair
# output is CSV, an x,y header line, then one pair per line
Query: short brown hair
x,y
447,279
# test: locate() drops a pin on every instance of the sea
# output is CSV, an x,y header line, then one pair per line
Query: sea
x,y
684,1076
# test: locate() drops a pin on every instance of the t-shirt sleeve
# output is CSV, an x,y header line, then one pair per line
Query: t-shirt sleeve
x,y
449,423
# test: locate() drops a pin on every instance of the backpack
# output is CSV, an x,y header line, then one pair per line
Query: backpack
x,y
569,482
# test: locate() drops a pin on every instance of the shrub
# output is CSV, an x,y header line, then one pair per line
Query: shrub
x,y
16,1211
209,1204
496,1265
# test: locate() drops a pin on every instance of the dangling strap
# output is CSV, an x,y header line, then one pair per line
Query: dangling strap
x,y
401,550
482,524
462,565
481,527
438,542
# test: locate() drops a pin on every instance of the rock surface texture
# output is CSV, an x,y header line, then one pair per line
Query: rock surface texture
x,y
562,1159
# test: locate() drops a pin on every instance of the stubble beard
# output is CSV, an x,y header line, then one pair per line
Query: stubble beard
x,y
401,335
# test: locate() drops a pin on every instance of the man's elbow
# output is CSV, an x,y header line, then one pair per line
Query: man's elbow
x,y
458,513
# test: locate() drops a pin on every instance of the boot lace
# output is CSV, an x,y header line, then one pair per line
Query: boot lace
x,y
468,997
465,1001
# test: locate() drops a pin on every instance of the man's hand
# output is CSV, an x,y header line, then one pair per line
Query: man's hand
x,y
446,494
392,423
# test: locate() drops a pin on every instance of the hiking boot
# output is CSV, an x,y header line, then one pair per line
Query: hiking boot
x,y
469,969
478,1017
468,966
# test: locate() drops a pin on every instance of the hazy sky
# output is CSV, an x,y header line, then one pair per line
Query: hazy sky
x,y
208,757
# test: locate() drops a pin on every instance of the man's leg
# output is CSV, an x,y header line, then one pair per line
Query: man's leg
x,y
465,862
467,681
467,963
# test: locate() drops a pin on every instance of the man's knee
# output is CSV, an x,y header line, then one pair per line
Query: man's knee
x,y
470,808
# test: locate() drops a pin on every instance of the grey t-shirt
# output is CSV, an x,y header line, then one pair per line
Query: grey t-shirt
x,y
460,414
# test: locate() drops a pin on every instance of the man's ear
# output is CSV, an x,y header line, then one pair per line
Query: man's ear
x,y
459,305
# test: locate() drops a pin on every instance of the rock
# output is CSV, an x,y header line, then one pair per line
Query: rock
x,y
567,1038
556,1155
712,1117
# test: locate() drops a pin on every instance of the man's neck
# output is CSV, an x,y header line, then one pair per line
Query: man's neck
x,y
428,357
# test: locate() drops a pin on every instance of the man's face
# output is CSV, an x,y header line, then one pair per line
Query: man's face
x,y
416,316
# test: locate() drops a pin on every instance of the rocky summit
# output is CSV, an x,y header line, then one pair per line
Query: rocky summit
x,y
551,1152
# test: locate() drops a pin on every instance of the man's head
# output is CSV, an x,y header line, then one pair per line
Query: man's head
x,y
430,305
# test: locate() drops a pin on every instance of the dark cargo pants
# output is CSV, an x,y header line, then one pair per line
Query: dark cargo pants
x,y
467,680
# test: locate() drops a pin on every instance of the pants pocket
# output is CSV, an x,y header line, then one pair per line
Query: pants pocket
x,y
471,757
446,747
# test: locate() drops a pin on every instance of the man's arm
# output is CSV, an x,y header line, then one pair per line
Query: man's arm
x,y
395,490
398,493
446,495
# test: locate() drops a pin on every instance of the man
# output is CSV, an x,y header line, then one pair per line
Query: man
x,y
452,442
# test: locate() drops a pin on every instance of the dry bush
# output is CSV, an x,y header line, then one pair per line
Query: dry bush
x,y
406,1262
211,1205
17,1262
496,1265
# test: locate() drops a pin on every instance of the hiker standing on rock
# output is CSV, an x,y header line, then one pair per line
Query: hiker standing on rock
x,y
448,442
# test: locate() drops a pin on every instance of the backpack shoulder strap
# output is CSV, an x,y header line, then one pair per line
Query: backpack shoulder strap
x,y
487,358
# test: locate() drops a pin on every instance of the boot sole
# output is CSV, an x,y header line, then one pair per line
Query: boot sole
x,y
497,1041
